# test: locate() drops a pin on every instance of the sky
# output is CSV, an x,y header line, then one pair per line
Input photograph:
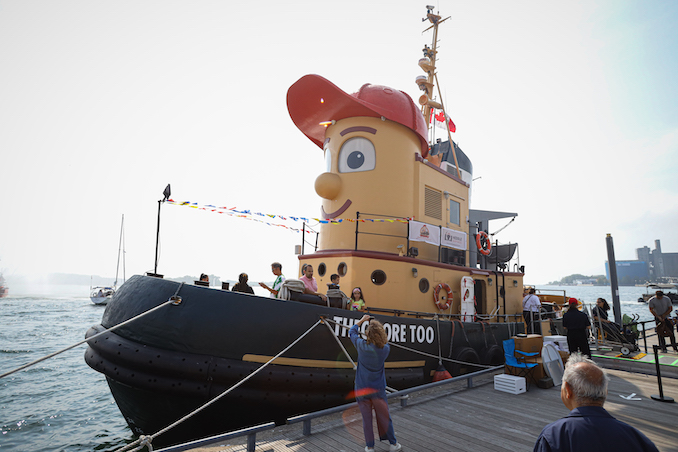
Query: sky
x,y
567,109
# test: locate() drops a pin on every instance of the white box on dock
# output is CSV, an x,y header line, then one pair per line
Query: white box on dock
x,y
560,342
509,383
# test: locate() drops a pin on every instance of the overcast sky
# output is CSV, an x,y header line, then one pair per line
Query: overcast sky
x,y
567,109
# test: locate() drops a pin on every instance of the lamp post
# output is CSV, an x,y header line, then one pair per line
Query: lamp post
x,y
166,194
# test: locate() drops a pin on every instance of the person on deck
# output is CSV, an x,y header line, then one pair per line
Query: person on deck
x,y
241,285
357,300
334,282
370,381
589,427
531,310
660,306
310,284
577,325
276,268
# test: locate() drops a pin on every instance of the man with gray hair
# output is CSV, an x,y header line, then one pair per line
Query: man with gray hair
x,y
588,427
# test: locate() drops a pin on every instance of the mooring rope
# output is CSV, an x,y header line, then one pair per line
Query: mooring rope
x,y
147,439
113,328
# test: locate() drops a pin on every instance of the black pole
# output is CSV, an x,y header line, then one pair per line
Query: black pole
x,y
167,192
614,285
157,240
660,397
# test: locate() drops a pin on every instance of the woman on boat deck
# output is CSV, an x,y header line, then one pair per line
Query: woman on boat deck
x,y
370,382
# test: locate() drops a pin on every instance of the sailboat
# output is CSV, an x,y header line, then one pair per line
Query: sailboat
x,y
102,295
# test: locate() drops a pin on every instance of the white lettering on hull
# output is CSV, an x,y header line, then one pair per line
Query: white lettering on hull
x,y
396,332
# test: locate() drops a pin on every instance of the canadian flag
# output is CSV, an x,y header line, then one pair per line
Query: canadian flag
x,y
439,120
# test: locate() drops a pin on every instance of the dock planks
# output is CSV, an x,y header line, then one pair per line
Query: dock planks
x,y
478,419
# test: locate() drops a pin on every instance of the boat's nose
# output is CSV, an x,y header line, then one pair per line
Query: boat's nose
x,y
328,185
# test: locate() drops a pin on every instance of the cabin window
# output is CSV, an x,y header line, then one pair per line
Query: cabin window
x,y
424,285
433,205
455,209
342,269
322,269
378,277
357,154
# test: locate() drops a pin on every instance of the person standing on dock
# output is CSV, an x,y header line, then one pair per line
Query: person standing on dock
x,y
531,310
577,325
660,307
589,427
370,381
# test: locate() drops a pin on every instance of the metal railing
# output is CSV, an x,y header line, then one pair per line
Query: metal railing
x,y
306,419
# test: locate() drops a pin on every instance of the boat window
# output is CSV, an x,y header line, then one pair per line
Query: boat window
x,y
342,269
454,212
424,285
322,269
378,277
357,154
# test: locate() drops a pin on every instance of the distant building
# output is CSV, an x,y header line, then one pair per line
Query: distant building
x,y
629,272
651,265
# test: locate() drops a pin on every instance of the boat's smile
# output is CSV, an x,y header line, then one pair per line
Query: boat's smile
x,y
336,213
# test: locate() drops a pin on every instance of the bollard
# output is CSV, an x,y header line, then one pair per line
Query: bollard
x,y
659,397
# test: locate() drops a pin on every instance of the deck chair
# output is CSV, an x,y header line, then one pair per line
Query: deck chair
x,y
521,368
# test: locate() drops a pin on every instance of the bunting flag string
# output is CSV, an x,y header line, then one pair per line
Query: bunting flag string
x,y
249,215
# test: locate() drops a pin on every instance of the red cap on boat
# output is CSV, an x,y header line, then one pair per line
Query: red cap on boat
x,y
573,301
312,100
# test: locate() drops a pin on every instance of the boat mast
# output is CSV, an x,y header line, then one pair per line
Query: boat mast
x,y
426,84
120,247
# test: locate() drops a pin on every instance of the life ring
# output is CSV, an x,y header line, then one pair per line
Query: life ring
x,y
436,296
483,238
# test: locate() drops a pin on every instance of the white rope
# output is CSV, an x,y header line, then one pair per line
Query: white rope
x,y
150,438
92,337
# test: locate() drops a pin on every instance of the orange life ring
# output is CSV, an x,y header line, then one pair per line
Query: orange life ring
x,y
436,296
481,238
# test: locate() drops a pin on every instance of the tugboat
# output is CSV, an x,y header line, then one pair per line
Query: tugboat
x,y
397,224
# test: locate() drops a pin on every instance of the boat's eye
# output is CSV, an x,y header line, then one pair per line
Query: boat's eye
x,y
356,154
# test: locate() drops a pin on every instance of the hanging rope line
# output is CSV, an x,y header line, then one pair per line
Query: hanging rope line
x,y
147,439
113,328
266,218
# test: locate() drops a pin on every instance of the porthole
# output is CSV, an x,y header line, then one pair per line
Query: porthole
x,y
322,269
378,277
423,285
342,269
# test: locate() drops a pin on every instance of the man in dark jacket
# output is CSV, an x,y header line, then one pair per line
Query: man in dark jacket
x,y
588,427
577,325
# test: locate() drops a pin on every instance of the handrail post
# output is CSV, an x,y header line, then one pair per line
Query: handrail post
x,y
660,397
469,382
306,427
251,442
357,222
644,337
404,399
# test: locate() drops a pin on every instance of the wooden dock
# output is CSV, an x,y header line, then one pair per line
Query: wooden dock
x,y
479,419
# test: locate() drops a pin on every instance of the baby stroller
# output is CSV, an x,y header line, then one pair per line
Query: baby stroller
x,y
622,338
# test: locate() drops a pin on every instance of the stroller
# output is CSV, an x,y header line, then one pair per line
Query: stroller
x,y
624,338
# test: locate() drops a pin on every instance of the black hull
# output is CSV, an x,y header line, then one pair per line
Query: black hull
x,y
174,360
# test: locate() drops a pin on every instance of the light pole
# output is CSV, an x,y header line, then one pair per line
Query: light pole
x,y
166,194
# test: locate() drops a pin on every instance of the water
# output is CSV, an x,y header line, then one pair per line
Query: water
x,y
628,297
63,405
59,404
